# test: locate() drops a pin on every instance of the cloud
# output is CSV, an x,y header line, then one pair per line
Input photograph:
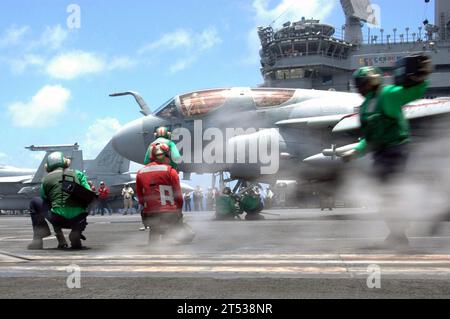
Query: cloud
x,y
99,134
43,110
64,65
13,36
182,64
286,10
208,39
32,53
53,37
192,45
3,155
169,41
121,63
74,64
291,10
18,66
184,39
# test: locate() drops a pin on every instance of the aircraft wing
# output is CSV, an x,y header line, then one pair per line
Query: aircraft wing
x,y
329,156
416,110
319,121
16,179
186,188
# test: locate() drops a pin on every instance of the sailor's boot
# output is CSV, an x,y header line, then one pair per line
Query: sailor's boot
x,y
154,236
39,233
62,243
75,239
36,244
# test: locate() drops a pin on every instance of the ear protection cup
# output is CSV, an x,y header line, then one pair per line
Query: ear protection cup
x,y
67,162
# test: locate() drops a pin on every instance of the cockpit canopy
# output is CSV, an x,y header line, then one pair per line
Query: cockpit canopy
x,y
198,104
201,103
194,104
264,98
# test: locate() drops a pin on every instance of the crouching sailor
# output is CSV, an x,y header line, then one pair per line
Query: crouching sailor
x,y
58,206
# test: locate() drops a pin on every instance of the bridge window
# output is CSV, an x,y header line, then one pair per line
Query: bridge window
x,y
327,80
287,74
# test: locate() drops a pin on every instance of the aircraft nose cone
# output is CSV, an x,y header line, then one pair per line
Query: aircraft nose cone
x,y
129,141
134,138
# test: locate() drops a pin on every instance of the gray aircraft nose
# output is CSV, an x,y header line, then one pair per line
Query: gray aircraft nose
x,y
129,141
133,139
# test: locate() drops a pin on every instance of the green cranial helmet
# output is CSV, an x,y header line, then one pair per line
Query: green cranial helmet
x,y
368,74
56,160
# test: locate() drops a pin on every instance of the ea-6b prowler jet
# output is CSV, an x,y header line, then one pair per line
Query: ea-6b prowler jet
x,y
260,134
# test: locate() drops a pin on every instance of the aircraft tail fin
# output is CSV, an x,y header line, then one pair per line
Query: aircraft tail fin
x,y
108,162
69,151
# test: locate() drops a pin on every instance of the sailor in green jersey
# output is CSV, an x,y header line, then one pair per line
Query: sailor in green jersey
x,y
226,205
385,129
252,204
57,206
163,136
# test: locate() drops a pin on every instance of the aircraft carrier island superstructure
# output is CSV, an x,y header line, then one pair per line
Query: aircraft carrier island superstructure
x,y
309,54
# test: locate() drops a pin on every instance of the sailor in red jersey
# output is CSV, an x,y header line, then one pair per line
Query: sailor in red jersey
x,y
159,193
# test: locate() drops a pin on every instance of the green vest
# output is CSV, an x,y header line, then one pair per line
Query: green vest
x,y
250,203
225,206
383,122
61,202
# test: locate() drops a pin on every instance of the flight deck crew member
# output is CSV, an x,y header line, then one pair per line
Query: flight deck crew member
x,y
58,207
198,199
93,206
103,194
127,193
226,206
164,136
187,202
386,132
269,197
159,193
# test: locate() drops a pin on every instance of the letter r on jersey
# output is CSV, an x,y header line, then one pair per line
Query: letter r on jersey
x,y
166,194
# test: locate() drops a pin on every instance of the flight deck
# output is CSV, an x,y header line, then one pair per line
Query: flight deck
x,y
292,254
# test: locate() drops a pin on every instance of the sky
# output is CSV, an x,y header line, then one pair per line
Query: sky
x,y
59,60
